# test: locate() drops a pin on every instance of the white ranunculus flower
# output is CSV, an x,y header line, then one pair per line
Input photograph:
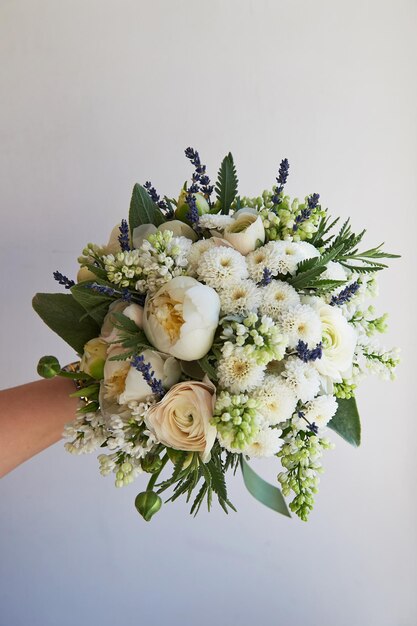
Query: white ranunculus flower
x,y
123,383
181,318
246,232
339,342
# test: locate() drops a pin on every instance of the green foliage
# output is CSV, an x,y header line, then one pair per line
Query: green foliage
x,y
186,479
132,339
208,367
346,422
226,185
143,210
308,271
66,317
264,492
94,303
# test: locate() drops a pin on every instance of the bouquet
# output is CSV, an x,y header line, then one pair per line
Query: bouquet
x,y
215,329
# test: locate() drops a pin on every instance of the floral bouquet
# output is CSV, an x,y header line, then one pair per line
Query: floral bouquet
x,y
215,330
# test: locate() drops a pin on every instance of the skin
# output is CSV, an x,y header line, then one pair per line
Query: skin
x,y
32,417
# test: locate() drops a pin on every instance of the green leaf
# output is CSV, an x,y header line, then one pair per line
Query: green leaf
x,y
63,314
143,210
207,367
226,185
94,303
346,422
263,491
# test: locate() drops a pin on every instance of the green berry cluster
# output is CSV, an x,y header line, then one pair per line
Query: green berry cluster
x,y
236,419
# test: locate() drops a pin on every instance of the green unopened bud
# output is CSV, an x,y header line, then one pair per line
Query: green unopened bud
x,y
148,503
151,463
183,208
48,367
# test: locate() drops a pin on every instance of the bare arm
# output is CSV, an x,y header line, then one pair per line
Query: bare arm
x,y
32,417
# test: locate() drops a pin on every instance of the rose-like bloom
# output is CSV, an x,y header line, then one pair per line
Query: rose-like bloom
x,y
92,362
178,228
339,342
109,332
246,232
181,420
181,318
123,383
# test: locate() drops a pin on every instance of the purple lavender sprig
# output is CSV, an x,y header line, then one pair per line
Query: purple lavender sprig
x,y
200,180
148,374
283,172
306,355
193,215
266,278
311,425
124,238
63,280
305,214
124,294
345,295
155,197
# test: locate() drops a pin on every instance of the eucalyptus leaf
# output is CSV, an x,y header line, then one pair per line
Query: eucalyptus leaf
x,y
143,210
63,314
261,490
94,303
346,422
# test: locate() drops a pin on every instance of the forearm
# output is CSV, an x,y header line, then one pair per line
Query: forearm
x,y
32,417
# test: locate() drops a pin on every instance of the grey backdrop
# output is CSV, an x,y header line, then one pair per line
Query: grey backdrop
x,y
97,95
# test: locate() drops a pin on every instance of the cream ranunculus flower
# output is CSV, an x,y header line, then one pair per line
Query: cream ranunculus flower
x,y
181,318
246,232
178,228
123,383
181,420
339,342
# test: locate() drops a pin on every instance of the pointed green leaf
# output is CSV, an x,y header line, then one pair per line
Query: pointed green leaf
x,y
143,210
94,303
226,185
263,491
63,314
346,422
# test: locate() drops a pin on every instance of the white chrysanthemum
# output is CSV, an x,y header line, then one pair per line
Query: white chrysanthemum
x,y
240,298
277,400
289,254
260,259
197,249
306,250
221,266
303,378
320,410
240,372
334,271
301,323
267,443
277,297
215,221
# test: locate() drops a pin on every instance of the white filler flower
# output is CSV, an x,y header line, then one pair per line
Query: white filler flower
x,y
278,297
181,318
221,266
320,410
277,400
302,378
302,323
241,297
267,443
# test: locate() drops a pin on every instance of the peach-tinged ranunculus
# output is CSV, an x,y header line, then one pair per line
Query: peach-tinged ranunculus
x,y
181,420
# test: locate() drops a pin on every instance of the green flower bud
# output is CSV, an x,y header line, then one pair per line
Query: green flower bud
x,y
48,367
148,503
151,463
183,208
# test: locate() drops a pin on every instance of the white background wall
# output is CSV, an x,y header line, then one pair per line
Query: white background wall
x,y
99,94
